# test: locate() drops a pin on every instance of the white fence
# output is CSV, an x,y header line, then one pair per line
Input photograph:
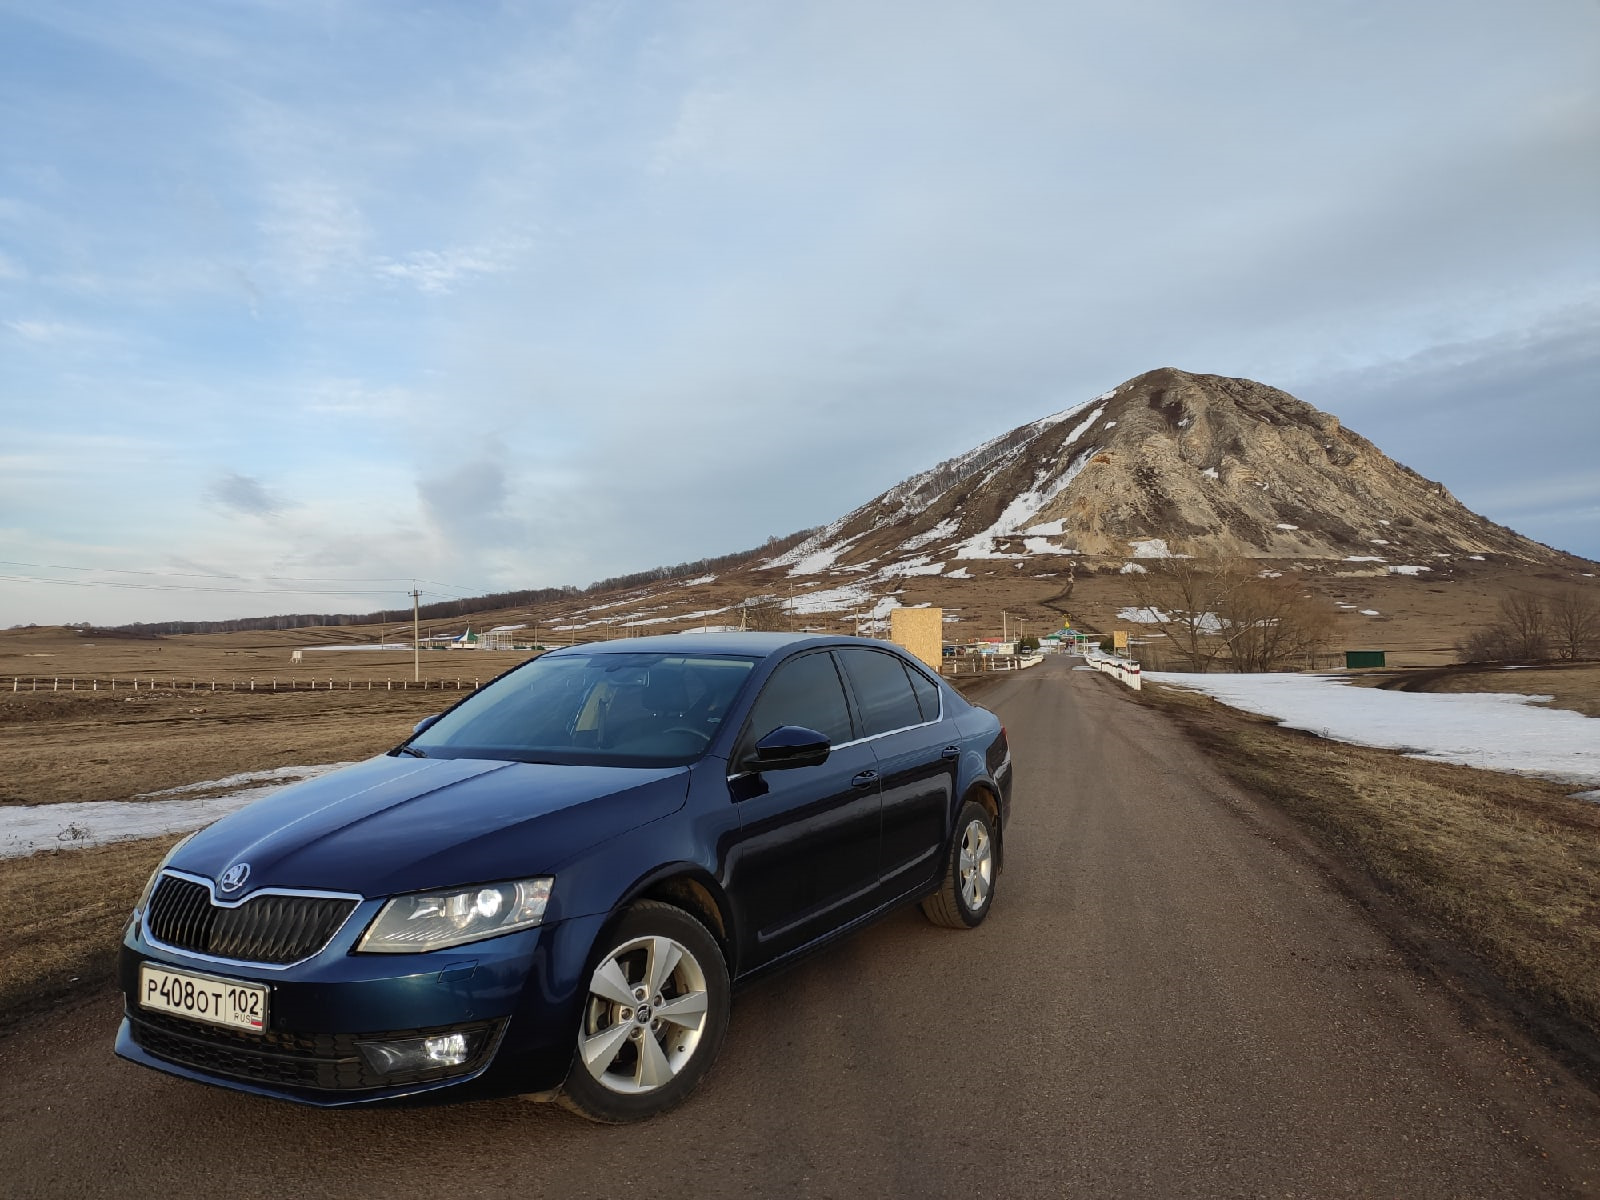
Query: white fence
x,y
74,683
984,664
1121,669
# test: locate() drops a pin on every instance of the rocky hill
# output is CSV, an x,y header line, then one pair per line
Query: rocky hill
x,y
1169,462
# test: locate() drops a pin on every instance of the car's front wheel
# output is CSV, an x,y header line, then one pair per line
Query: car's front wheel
x,y
654,1017
971,864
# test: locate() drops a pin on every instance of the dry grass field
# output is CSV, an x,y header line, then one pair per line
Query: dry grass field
x,y
1506,866
66,745
1574,686
1509,867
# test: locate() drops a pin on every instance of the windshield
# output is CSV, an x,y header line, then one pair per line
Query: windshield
x,y
594,709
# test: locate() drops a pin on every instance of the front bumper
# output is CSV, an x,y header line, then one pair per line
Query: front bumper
x,y
516,998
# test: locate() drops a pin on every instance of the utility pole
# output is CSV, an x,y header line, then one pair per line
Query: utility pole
x,y
416,638
1003,636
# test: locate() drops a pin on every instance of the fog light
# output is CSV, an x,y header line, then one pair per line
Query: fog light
x,y
448,1051
422,1054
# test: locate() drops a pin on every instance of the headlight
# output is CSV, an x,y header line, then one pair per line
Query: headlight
x,y
435,920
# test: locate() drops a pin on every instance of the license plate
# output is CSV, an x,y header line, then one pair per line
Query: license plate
x,y
204,998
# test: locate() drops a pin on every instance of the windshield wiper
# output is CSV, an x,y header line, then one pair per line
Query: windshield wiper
x,y
412,751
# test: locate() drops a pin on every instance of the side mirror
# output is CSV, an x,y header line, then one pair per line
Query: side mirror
x,y
424,723
790,746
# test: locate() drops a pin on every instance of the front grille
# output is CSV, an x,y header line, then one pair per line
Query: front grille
x,y
264,929
329,1062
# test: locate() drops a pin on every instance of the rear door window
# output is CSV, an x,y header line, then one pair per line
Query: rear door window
x,y
927,694
883,692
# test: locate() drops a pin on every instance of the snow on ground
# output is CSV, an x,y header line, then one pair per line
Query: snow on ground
x,y
689,616
1207,622
1361,558
1493,730
820,559
28,828
1151,548
912,566
1408,570
850,595
1043,545
944,529
1133,568
1023,508
1142,616
369,646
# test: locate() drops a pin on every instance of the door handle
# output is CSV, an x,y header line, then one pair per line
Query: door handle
x,y
950,753
865,779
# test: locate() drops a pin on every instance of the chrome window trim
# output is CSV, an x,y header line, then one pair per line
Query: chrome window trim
x,y
832,746
211,889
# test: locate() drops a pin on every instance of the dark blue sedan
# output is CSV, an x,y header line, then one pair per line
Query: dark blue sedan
x,y
562,876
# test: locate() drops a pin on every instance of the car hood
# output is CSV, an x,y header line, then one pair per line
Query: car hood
x,y
397,824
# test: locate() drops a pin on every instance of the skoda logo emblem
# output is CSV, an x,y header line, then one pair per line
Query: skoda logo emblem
x,y
233,878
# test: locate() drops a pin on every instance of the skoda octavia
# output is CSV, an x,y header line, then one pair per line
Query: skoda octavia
x,y
561,878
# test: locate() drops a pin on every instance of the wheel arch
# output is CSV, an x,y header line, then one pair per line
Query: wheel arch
x,y
694,890
984,794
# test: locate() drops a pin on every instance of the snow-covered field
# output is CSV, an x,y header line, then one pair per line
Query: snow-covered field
x,y
27,828
1493,730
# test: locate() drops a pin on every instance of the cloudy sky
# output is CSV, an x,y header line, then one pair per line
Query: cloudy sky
x,y
330,296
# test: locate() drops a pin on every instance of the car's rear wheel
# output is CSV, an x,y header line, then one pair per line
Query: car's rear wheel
x,y
654,1017
967,890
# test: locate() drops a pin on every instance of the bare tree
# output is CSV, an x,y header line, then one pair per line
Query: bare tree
x,y
1271,621
1525,625
765,613
1228,610
1575,623
1181,598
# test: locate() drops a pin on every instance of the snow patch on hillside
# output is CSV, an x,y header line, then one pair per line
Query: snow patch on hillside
x,y
1152,548
1022,508
1039,545
944,529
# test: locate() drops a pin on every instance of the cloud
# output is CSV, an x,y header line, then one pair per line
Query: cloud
x,y
44,331
438,271
436,278
244,494
467,504
315,227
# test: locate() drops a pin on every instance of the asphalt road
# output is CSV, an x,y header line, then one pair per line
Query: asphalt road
x,y
1169,999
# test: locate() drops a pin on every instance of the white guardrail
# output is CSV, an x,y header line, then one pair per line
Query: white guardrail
x,y
1121,669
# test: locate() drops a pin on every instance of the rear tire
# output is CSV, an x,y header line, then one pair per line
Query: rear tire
x,y
654,1017
966,893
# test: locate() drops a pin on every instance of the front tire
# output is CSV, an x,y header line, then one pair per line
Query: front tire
x,y
966,893
654,1017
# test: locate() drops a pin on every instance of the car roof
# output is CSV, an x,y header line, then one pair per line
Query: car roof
x,y
756,645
